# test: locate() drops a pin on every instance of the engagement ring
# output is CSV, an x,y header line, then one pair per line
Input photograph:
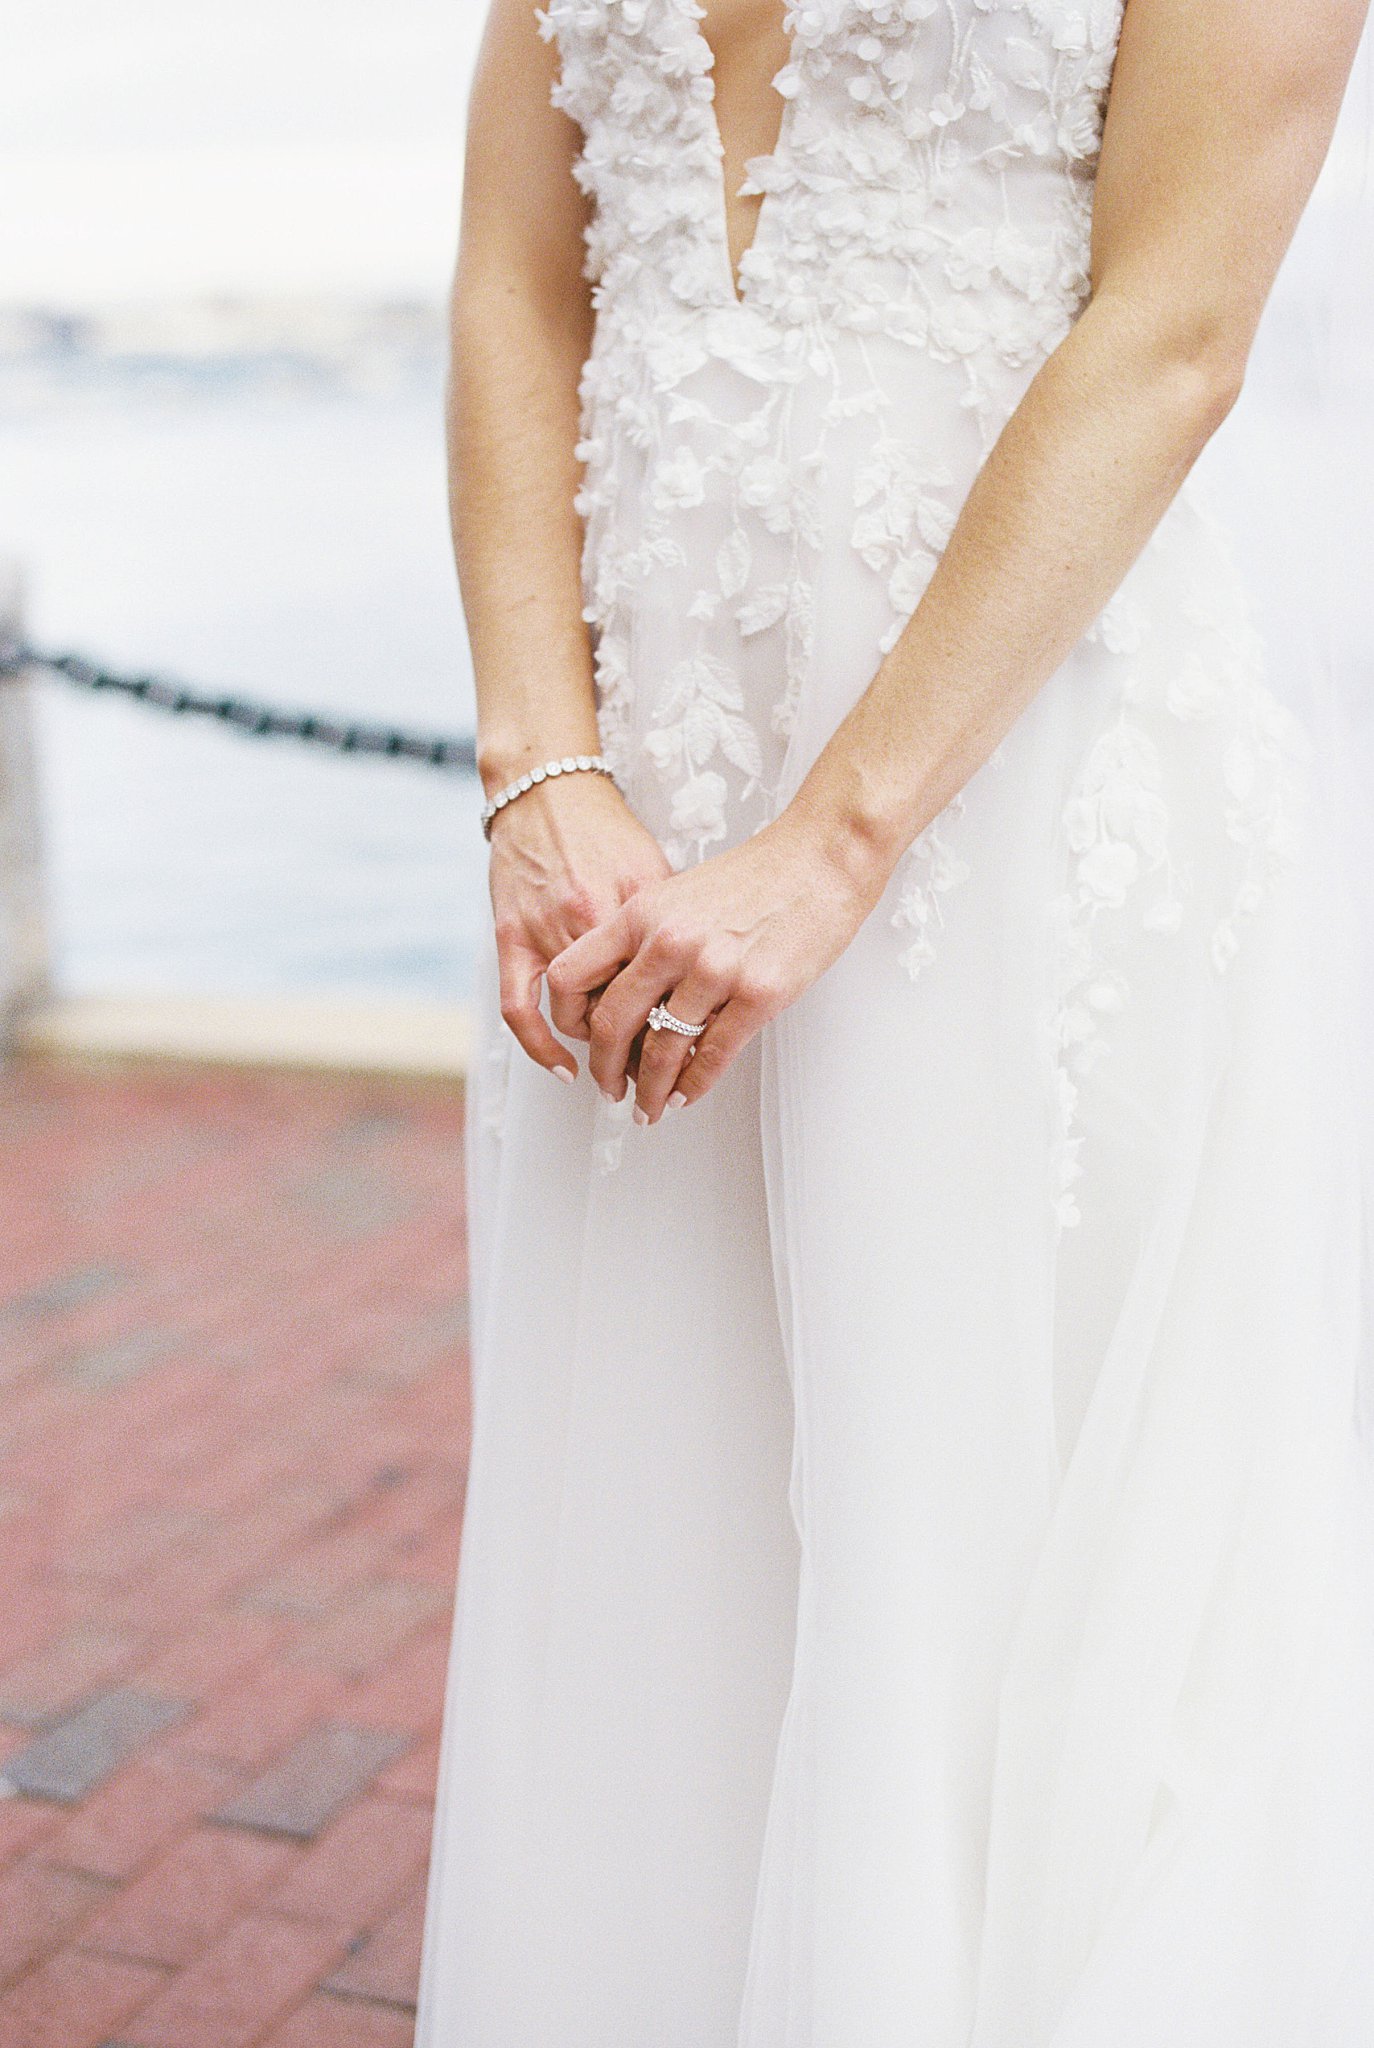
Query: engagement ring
x,y
664,1020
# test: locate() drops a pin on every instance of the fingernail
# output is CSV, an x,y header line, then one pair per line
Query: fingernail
x,y
677,1099
641,1115
563,1073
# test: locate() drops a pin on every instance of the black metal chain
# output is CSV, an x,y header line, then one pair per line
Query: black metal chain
x,y
242,714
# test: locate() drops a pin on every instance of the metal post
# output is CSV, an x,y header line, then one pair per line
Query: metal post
x,y
24,959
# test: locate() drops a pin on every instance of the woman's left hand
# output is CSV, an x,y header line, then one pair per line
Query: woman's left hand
x,y
728,944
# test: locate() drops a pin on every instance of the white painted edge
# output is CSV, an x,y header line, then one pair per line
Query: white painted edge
x,y
326,1033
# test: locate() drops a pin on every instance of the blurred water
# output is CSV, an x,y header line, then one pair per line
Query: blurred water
x,y
289,543
281,531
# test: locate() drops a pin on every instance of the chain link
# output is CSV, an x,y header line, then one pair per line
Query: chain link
x,y
243,714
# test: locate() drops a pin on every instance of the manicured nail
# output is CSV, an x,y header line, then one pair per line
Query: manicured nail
x,y
563,1073
641,1115
677,1099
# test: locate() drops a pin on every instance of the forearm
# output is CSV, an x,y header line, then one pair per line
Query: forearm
x,y
1069,496
1206,165
517,537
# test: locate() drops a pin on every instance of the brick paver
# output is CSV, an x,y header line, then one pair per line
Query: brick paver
x,y
40,1689
351,1876
231,1995
332,1764
326,2022
232,1449
382,1965
74,1999
80,1753
188,1896
40,1905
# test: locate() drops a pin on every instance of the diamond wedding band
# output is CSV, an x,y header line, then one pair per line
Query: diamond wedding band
x,y
664,1020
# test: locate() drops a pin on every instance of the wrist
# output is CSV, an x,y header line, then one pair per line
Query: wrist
x,y
861,836
502,758
581,781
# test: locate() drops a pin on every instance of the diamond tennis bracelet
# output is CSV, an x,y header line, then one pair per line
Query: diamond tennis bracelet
x,y
571,764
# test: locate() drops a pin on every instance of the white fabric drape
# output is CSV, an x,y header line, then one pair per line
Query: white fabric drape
x,y
918,1579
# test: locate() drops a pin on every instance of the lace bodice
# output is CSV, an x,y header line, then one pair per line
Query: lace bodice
x,y
773,470
930,192
931,181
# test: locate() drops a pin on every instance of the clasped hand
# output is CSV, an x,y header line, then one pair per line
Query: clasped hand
x,y
727,944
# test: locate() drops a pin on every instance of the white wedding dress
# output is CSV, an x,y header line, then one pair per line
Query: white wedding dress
x,y
916,1587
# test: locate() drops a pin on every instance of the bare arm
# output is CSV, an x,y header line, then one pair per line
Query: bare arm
x,y
521,328
569,852
1219,121
1220,117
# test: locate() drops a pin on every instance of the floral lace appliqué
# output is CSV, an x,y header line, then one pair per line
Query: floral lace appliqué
x,y
1132,867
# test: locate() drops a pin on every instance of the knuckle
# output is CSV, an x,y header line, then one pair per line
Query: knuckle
x,y
577,907
756,991
710,1056
637,911
716,963
603,1033
667,942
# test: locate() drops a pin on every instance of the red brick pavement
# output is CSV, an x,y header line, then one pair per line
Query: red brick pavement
x,y
232,1443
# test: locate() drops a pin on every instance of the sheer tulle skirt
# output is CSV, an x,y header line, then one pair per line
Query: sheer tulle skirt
x,y
916,1581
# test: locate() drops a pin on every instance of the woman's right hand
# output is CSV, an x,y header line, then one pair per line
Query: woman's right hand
x,y
564,858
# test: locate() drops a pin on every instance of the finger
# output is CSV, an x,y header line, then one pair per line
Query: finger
x,y
576,982
593,960
725,1037
571,1011
667,1053
617,1021
619,1016
522,970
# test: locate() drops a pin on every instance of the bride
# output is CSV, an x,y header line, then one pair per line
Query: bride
x,y
916,1587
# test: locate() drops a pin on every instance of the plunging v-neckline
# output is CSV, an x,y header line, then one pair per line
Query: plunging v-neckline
x,y
732,272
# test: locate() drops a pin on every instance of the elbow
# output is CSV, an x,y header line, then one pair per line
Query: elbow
x,y
1192,359
1198,361
1215,353
1207,384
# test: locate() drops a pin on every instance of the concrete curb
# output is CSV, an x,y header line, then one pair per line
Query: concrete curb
x,y
325,1033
